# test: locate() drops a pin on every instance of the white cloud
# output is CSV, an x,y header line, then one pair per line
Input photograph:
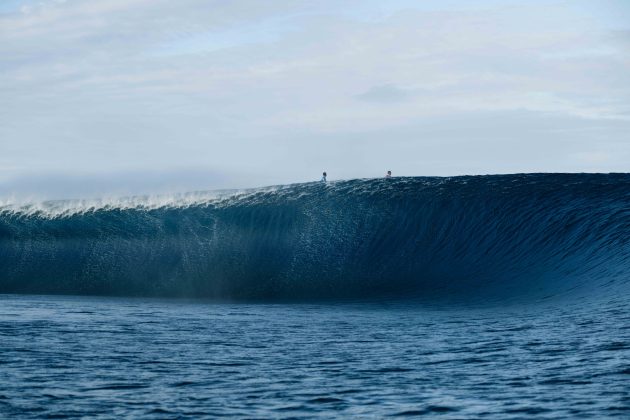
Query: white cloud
x,y
248,87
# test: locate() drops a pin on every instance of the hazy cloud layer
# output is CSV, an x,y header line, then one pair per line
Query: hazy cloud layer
x,y
251,93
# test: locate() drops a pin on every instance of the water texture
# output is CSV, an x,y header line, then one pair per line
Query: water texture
x,y
471,297
120,357
482,237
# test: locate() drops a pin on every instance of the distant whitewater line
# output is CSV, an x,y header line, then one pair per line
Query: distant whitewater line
x,y
502,236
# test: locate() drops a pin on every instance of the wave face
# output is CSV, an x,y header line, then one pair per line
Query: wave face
x,y
504,236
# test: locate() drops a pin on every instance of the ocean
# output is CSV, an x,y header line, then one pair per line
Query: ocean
x,y
465,297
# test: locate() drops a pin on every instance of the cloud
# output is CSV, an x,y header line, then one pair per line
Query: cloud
x,y
385,94
257,87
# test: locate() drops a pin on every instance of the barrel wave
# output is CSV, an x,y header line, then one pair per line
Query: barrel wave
x,y
502,236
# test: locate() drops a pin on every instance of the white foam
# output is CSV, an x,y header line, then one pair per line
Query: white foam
x,y
66,208
222,198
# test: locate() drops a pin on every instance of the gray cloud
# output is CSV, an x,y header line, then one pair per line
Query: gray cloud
x,y
386,94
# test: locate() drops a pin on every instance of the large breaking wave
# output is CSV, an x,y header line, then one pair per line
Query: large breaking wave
x,y
504,236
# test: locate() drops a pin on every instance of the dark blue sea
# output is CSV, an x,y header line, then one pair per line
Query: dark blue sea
x,y
467,297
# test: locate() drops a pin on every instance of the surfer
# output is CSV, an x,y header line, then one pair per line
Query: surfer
x,y
388,174
323,177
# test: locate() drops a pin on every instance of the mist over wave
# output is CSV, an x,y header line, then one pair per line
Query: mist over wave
x,y
477,237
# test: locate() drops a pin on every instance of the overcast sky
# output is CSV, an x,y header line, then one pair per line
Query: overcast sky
x,y
135,96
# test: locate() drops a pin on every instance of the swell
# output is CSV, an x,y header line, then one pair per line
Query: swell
x,y
508,236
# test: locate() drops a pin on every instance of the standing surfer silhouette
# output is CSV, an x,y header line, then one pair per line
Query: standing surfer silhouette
x,y
323,177
388,174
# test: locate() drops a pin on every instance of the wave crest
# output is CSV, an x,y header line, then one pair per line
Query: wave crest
x,y
504,236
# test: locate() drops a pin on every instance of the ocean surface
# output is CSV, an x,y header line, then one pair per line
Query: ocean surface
x,y
467,297
119,357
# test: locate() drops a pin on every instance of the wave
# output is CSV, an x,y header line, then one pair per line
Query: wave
x,y
506,236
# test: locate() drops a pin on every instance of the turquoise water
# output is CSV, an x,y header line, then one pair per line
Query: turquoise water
x,y
104,357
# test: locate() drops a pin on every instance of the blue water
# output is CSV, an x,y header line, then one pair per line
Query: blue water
x,y
121,357
467,297
504,237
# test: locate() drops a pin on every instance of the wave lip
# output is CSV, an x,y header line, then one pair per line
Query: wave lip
x,y
500,236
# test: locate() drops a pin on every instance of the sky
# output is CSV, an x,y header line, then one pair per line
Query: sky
x,y
144,96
